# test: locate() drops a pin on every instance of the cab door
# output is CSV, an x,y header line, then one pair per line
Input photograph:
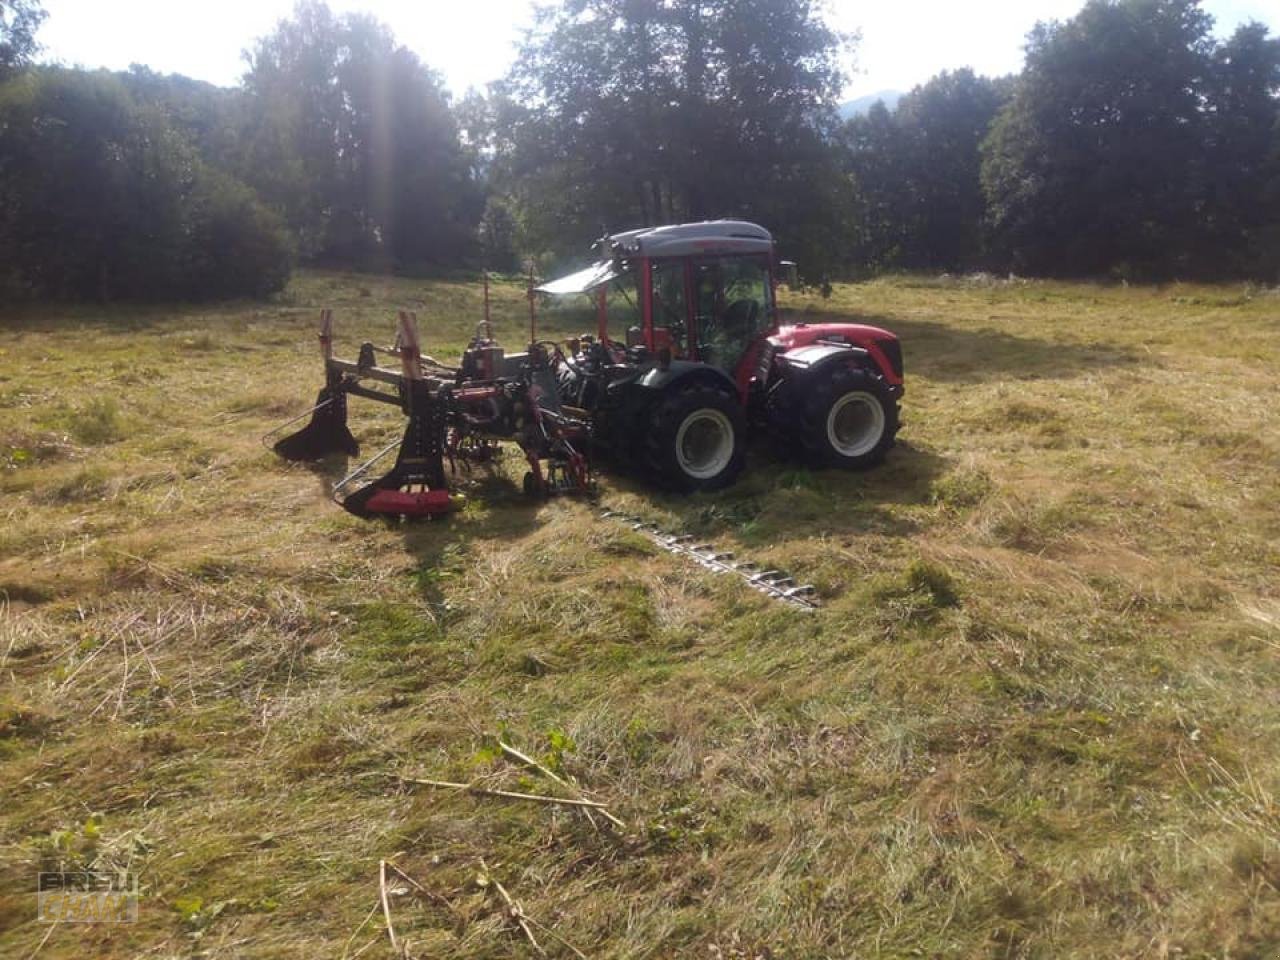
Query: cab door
x,y
732,300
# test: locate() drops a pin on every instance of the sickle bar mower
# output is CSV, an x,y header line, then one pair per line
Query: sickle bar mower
x,y
458,414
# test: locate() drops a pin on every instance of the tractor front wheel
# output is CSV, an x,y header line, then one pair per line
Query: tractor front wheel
x,y
847,417
695,438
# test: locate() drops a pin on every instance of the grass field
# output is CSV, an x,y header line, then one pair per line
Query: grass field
x,y
1038,716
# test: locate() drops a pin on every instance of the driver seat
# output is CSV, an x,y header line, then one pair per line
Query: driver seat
x,y
721,340
740,319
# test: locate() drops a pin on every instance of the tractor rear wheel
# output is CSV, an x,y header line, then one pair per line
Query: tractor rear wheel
x,y
847,417
695,437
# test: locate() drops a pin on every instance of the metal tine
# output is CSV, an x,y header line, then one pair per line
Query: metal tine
x,y
771,582
292,420
361,470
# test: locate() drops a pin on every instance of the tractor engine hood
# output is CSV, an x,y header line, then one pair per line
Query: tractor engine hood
x,y
882,345
858,334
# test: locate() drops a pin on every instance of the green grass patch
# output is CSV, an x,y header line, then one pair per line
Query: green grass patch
x,y
1035,717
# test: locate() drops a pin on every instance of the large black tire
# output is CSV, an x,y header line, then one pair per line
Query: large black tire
x,y
695,437
840,416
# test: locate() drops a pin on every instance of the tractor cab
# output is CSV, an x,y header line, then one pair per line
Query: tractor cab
x,y
705,355
706,289
699,292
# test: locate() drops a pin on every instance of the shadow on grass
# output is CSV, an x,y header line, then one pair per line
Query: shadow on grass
x,y
778,500
941,352
492,507
495,509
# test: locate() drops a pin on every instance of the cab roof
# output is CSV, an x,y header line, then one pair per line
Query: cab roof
x,y
692,239
706,238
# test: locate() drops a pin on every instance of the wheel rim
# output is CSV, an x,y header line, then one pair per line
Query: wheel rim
x,y
704,443
855,423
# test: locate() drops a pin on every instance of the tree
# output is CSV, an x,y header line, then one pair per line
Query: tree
x,y
1097,162
875,153
19,21
211,118
101,198
1241,209
351,137
619,113
917,174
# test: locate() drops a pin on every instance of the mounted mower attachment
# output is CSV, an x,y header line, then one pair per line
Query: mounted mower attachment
x,y
415,486
455,414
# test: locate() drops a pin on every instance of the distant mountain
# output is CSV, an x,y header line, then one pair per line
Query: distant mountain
x,y
854,108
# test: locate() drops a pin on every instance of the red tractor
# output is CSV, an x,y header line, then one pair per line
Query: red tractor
x,y
705,358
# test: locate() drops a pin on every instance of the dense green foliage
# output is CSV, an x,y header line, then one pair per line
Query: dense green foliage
x,y
19,20
916,175
100,197
351,137
618,113
1134,144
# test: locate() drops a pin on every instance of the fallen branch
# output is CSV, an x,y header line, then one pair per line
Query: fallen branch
x,y
508,794
124,681
528,761
513,909
386,906
420,888
559,939
40,945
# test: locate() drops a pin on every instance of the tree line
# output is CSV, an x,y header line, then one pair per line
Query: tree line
x,y
1133,144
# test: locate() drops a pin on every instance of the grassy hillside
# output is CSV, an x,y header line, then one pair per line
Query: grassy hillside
x,y
1037,716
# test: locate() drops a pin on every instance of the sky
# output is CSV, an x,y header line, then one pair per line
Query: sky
x,y
471,42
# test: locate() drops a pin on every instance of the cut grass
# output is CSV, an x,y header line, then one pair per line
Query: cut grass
x,y
1035,718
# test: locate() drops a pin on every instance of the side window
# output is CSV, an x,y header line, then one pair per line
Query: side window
x,y
733,307
670,307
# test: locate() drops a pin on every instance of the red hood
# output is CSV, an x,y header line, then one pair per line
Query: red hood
x,y
800,334
878,342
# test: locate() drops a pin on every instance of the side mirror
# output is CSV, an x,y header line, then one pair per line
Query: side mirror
x,y
789,274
